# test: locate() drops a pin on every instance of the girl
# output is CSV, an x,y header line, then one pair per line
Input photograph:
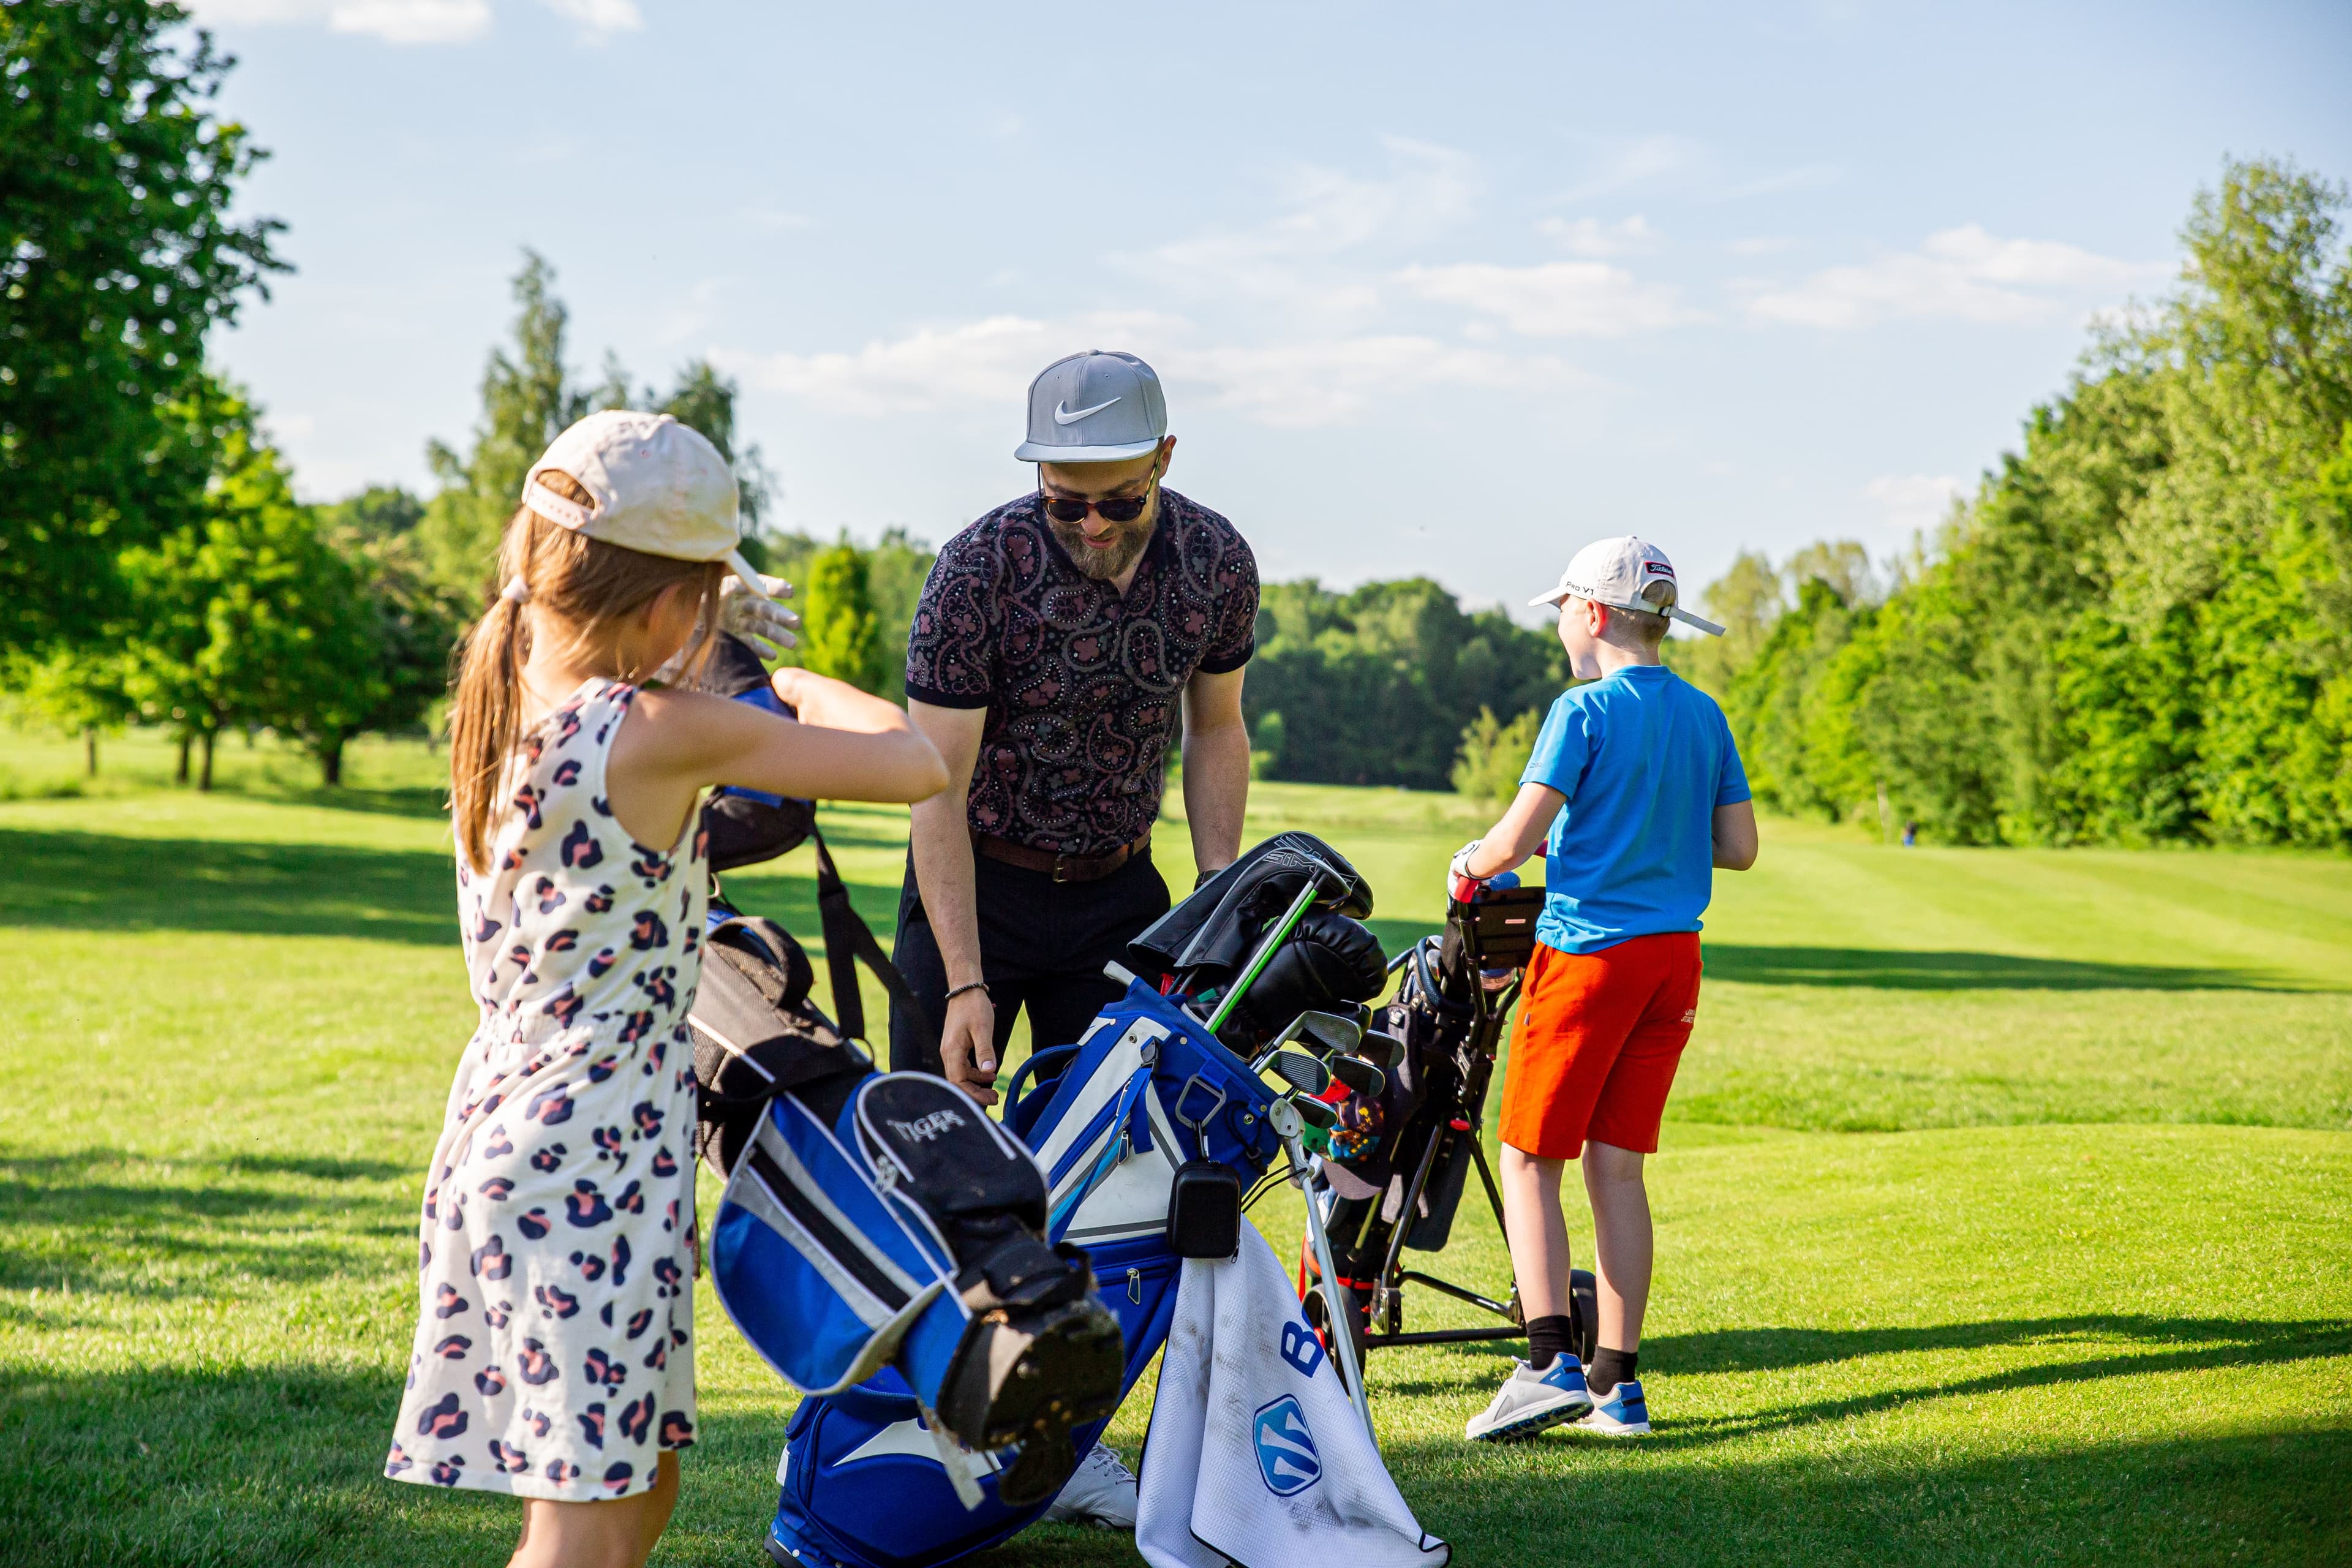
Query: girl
x,y
554,1355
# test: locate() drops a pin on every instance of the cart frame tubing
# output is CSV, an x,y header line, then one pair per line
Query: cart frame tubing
x,y
1488,1012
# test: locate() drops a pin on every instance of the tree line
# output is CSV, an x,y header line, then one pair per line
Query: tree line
x,y
2139,629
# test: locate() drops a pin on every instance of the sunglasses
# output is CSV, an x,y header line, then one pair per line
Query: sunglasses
x,y
1118,508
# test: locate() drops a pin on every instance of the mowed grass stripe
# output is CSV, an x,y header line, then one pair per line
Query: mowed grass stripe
x,y
1983,1332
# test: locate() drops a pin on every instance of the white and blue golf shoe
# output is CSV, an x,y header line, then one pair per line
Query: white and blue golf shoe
x,y
1620,1413
1531,1400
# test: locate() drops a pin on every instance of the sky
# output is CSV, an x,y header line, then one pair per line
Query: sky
x,y
1433,291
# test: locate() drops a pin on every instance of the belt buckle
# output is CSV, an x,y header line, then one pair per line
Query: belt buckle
x,y
1060,874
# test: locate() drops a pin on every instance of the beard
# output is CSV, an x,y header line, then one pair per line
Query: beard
x,y
1105,563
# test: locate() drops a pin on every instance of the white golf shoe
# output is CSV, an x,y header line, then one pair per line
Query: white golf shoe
x,y
1101,1494
1622,1412
1531,1400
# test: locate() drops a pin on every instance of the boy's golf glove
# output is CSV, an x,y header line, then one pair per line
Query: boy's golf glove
x,y
1460,885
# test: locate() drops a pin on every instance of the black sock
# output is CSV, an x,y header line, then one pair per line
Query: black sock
x,y
1547,1338
1609,1369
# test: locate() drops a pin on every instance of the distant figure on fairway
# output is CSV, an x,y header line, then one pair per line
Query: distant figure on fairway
x,y
1636,794
1910,835
554,1349
1060,642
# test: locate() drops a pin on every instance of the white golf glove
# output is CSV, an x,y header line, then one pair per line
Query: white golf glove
x,y
764,623
1460,885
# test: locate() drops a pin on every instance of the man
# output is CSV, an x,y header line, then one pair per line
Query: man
x,y
1058,643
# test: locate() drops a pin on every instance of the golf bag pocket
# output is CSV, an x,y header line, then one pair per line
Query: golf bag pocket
x,y
1204,1210
816,1268
757,1033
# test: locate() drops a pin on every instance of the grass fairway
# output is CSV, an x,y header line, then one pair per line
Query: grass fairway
x,y
2007,1217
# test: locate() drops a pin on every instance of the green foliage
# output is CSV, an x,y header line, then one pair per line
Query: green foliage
x,y
117,255
529,396
1372,684
1493,754
840,633
2137,632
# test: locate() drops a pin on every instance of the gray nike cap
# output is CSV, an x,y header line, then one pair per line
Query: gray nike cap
x,y
1094,407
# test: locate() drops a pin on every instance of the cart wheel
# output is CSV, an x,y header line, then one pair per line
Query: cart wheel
x,y
1584,1314
1318,1317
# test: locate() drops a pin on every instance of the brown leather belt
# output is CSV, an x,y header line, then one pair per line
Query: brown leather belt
x,y
1061,868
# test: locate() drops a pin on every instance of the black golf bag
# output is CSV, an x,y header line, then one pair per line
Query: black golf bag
x,y
1397,1171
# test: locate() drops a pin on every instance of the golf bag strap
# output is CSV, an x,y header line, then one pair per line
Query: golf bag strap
x,y
848,941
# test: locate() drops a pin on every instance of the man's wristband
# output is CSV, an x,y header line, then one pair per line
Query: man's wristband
x,y
979,986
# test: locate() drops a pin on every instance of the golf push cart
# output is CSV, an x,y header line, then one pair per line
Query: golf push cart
x,y
1402,1157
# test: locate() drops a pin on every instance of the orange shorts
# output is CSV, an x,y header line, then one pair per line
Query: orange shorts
x,y
1599,1037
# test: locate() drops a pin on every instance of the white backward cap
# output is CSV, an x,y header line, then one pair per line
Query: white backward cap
x,y
1625,573
657,485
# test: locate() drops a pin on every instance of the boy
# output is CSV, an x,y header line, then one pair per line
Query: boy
x,y
1655,798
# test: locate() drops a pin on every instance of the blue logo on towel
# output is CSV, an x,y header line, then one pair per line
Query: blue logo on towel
x,y
1286,1449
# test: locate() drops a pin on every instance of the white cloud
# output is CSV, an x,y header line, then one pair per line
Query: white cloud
x,y
1963,274
1299,385
1803,177
415,21
1303,261
1912,503
601,18
394,21
1557,298
932,368
1620,162
1590,236
985,365
775,220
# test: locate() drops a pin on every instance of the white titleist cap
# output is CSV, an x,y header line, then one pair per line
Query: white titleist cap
x,y
1625,573
658,486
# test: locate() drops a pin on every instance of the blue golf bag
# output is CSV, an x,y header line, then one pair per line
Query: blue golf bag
x,y
879,1220
1129,1123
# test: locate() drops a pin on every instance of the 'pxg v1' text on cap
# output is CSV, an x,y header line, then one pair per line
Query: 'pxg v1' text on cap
x,y
1094,407
658,486
1624,573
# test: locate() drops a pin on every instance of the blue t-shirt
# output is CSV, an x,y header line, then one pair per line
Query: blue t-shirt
x,y
1644,758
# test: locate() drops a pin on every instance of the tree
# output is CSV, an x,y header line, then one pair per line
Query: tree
x,y
117,256
529,397
246,617
1374,685
2136,631
75,690
1493,754
527,402
840,634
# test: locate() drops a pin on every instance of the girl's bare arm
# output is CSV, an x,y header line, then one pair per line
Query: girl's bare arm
x,y
846,745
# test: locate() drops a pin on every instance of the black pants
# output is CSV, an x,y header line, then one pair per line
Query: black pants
x,y
1042,945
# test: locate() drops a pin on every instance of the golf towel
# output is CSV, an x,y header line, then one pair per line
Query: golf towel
x,y
1255,1457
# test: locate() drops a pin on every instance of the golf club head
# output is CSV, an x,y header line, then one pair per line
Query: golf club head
x,y
1383,1050
1301,1071
1360,1076
1315,1114
1327,1032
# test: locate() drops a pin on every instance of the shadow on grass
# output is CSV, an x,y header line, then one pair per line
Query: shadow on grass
x,y
2167,1345
1892,969
176,1230
268,1465
95,881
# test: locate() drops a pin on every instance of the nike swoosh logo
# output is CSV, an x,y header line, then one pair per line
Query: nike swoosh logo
x,y
1065,415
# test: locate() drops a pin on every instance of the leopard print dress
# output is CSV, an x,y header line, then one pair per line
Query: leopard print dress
x,y
554,1355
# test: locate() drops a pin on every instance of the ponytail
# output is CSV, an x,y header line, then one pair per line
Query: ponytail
x,y
485,713
574,585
